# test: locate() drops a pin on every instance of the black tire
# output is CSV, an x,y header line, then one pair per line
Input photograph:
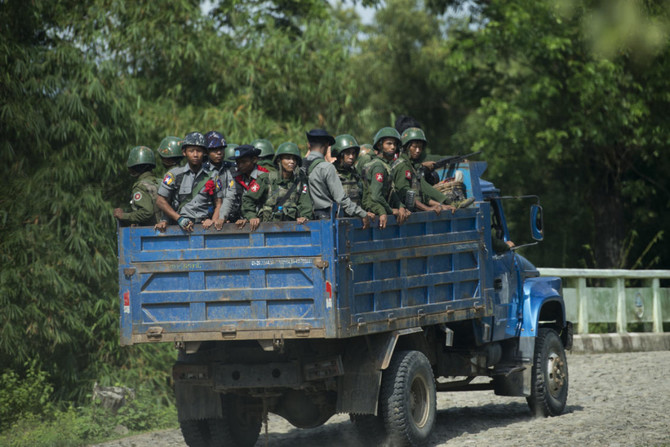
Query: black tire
x,y
549,387
407,399
239,427
202,432
370,428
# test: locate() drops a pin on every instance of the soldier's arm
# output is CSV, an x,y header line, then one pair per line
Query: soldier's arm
x,y
338,194
378,203
166,191
145,207
400,180
305,206
253,200
228,196
432,193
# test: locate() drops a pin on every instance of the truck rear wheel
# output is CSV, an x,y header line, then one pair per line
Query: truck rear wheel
x,y
407,399
549,387
239,426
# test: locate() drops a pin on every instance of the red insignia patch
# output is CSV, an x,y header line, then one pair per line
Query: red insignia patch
x,y
408,175
379,177
304,189
254,187
137,196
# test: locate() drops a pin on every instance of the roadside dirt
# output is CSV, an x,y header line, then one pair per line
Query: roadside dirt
x,y
614,400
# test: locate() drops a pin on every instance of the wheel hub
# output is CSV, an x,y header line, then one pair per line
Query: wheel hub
x,y
555,374
418,402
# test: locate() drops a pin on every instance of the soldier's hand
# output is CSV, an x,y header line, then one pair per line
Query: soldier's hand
x,y
218,223
437,209
207,223
118,213
366,222
372,216
382,221
241,223
185,223
161,226
430,165
449,208
301,220
403,214
254,223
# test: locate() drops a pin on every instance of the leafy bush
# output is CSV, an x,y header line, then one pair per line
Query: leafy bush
x,y
89,424
24,397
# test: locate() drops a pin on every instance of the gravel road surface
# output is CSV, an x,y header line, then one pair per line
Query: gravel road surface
x,y
614,400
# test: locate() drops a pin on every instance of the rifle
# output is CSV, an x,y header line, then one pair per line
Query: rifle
x,y
430,176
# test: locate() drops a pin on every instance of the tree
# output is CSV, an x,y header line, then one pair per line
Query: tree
x,y
557,119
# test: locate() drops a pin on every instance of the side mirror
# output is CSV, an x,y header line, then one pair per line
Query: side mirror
x,y
536,222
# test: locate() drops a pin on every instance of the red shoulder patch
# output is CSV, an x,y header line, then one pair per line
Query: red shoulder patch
x,y
379,177
408,175
254,186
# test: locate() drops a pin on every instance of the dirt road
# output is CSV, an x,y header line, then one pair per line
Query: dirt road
x,y
614,400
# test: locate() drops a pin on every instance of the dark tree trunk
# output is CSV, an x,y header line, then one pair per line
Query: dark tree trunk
x,y
609,223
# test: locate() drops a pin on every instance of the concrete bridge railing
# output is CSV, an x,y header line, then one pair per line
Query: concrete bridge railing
x,y
610,300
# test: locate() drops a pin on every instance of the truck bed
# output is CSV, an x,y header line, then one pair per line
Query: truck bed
x,y
323,279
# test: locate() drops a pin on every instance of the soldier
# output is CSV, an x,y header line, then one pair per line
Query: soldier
x,y
245,177
364,156
379,195
141,162
324,184
170,152
187,192
266,155
281,195
216,147
411,185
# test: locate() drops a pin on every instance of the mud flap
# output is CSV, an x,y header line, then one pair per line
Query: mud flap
x,y
518,381
197,402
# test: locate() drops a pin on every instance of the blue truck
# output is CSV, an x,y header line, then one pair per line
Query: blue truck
x,y
306,321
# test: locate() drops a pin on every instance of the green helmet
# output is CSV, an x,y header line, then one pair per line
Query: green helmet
x,y
141,155
386,132
267,149
342,143
230,152
287,148
170,147
413,134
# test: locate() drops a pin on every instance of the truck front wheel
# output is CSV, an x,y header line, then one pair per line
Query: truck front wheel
x,y
407,399
549,387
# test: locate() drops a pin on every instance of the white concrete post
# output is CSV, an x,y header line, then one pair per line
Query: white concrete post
x,y
583,306
621,323
656,314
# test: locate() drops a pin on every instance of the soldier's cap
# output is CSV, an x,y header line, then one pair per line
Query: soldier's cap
x,y
214,140
245,150
320,136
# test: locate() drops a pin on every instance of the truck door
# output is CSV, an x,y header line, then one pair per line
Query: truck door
x,y
505,277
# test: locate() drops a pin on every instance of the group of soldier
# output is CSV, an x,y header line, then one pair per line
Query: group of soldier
x,y
211,182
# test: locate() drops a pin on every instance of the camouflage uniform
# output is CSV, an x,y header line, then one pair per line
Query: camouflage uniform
x,y
261,199
405,174
143,202
379,195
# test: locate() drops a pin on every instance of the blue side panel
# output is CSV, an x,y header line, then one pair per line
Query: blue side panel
x,y
425,271
234,283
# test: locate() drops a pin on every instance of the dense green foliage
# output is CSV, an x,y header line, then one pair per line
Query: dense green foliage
x,y
568,102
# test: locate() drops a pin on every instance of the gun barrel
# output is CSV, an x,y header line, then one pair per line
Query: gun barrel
x,y
454,159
